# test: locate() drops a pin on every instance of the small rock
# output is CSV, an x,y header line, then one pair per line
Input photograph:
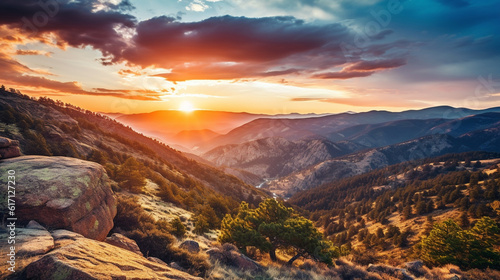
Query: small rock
x,y
65,234
5,142
157,260
395,272
124,242
416,268
33,242
191,246
9,148
35,225
174,265
231,257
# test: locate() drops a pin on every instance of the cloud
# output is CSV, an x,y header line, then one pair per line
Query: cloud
x,y
377,64
225,47
343,75
74,23
239,47
33,52
14,73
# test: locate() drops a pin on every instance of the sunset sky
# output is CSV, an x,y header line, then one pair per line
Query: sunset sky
x,y
259,56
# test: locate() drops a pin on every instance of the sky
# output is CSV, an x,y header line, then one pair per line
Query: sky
x,y
258,56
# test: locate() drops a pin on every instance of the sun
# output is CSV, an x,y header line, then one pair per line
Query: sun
x,y
186,106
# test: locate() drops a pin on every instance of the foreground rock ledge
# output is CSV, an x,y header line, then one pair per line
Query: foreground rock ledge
x,y
61,192
88,259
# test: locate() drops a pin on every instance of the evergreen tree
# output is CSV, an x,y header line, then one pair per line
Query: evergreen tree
x,y
272,226
178,228
448,243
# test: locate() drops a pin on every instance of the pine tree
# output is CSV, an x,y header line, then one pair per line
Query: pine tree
x,y
178,228
464,220
272,226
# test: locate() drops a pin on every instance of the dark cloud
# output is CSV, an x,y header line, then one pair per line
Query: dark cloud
x,y
224,47
343,75
377,64
73,22
239,47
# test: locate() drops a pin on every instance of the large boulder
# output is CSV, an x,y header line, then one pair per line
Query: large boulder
x,y
9,148
61,193
89,259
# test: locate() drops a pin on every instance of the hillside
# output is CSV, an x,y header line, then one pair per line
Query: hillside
x,y
388,211
277,157
481,134
71,131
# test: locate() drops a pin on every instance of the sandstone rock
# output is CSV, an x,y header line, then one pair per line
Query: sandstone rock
x,y
32,242
191,246
9,148
63,193
124,242
89,259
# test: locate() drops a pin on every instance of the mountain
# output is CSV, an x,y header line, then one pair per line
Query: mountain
x,y
487,139
276,156
186,130
331,126
47,127
191,138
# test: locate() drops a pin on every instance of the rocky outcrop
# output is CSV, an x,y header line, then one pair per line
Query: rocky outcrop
x,y
9,148
190,245
62,193
90,259
66,255
119,240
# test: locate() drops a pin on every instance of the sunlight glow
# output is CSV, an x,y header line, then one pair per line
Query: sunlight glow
x,y
186,106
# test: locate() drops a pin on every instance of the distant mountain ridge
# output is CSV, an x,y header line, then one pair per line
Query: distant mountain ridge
x,y
383,144
328,126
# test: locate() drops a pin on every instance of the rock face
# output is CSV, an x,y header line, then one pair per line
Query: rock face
x,y
190,245
62,193
124,242
9,148
90,259
66,255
